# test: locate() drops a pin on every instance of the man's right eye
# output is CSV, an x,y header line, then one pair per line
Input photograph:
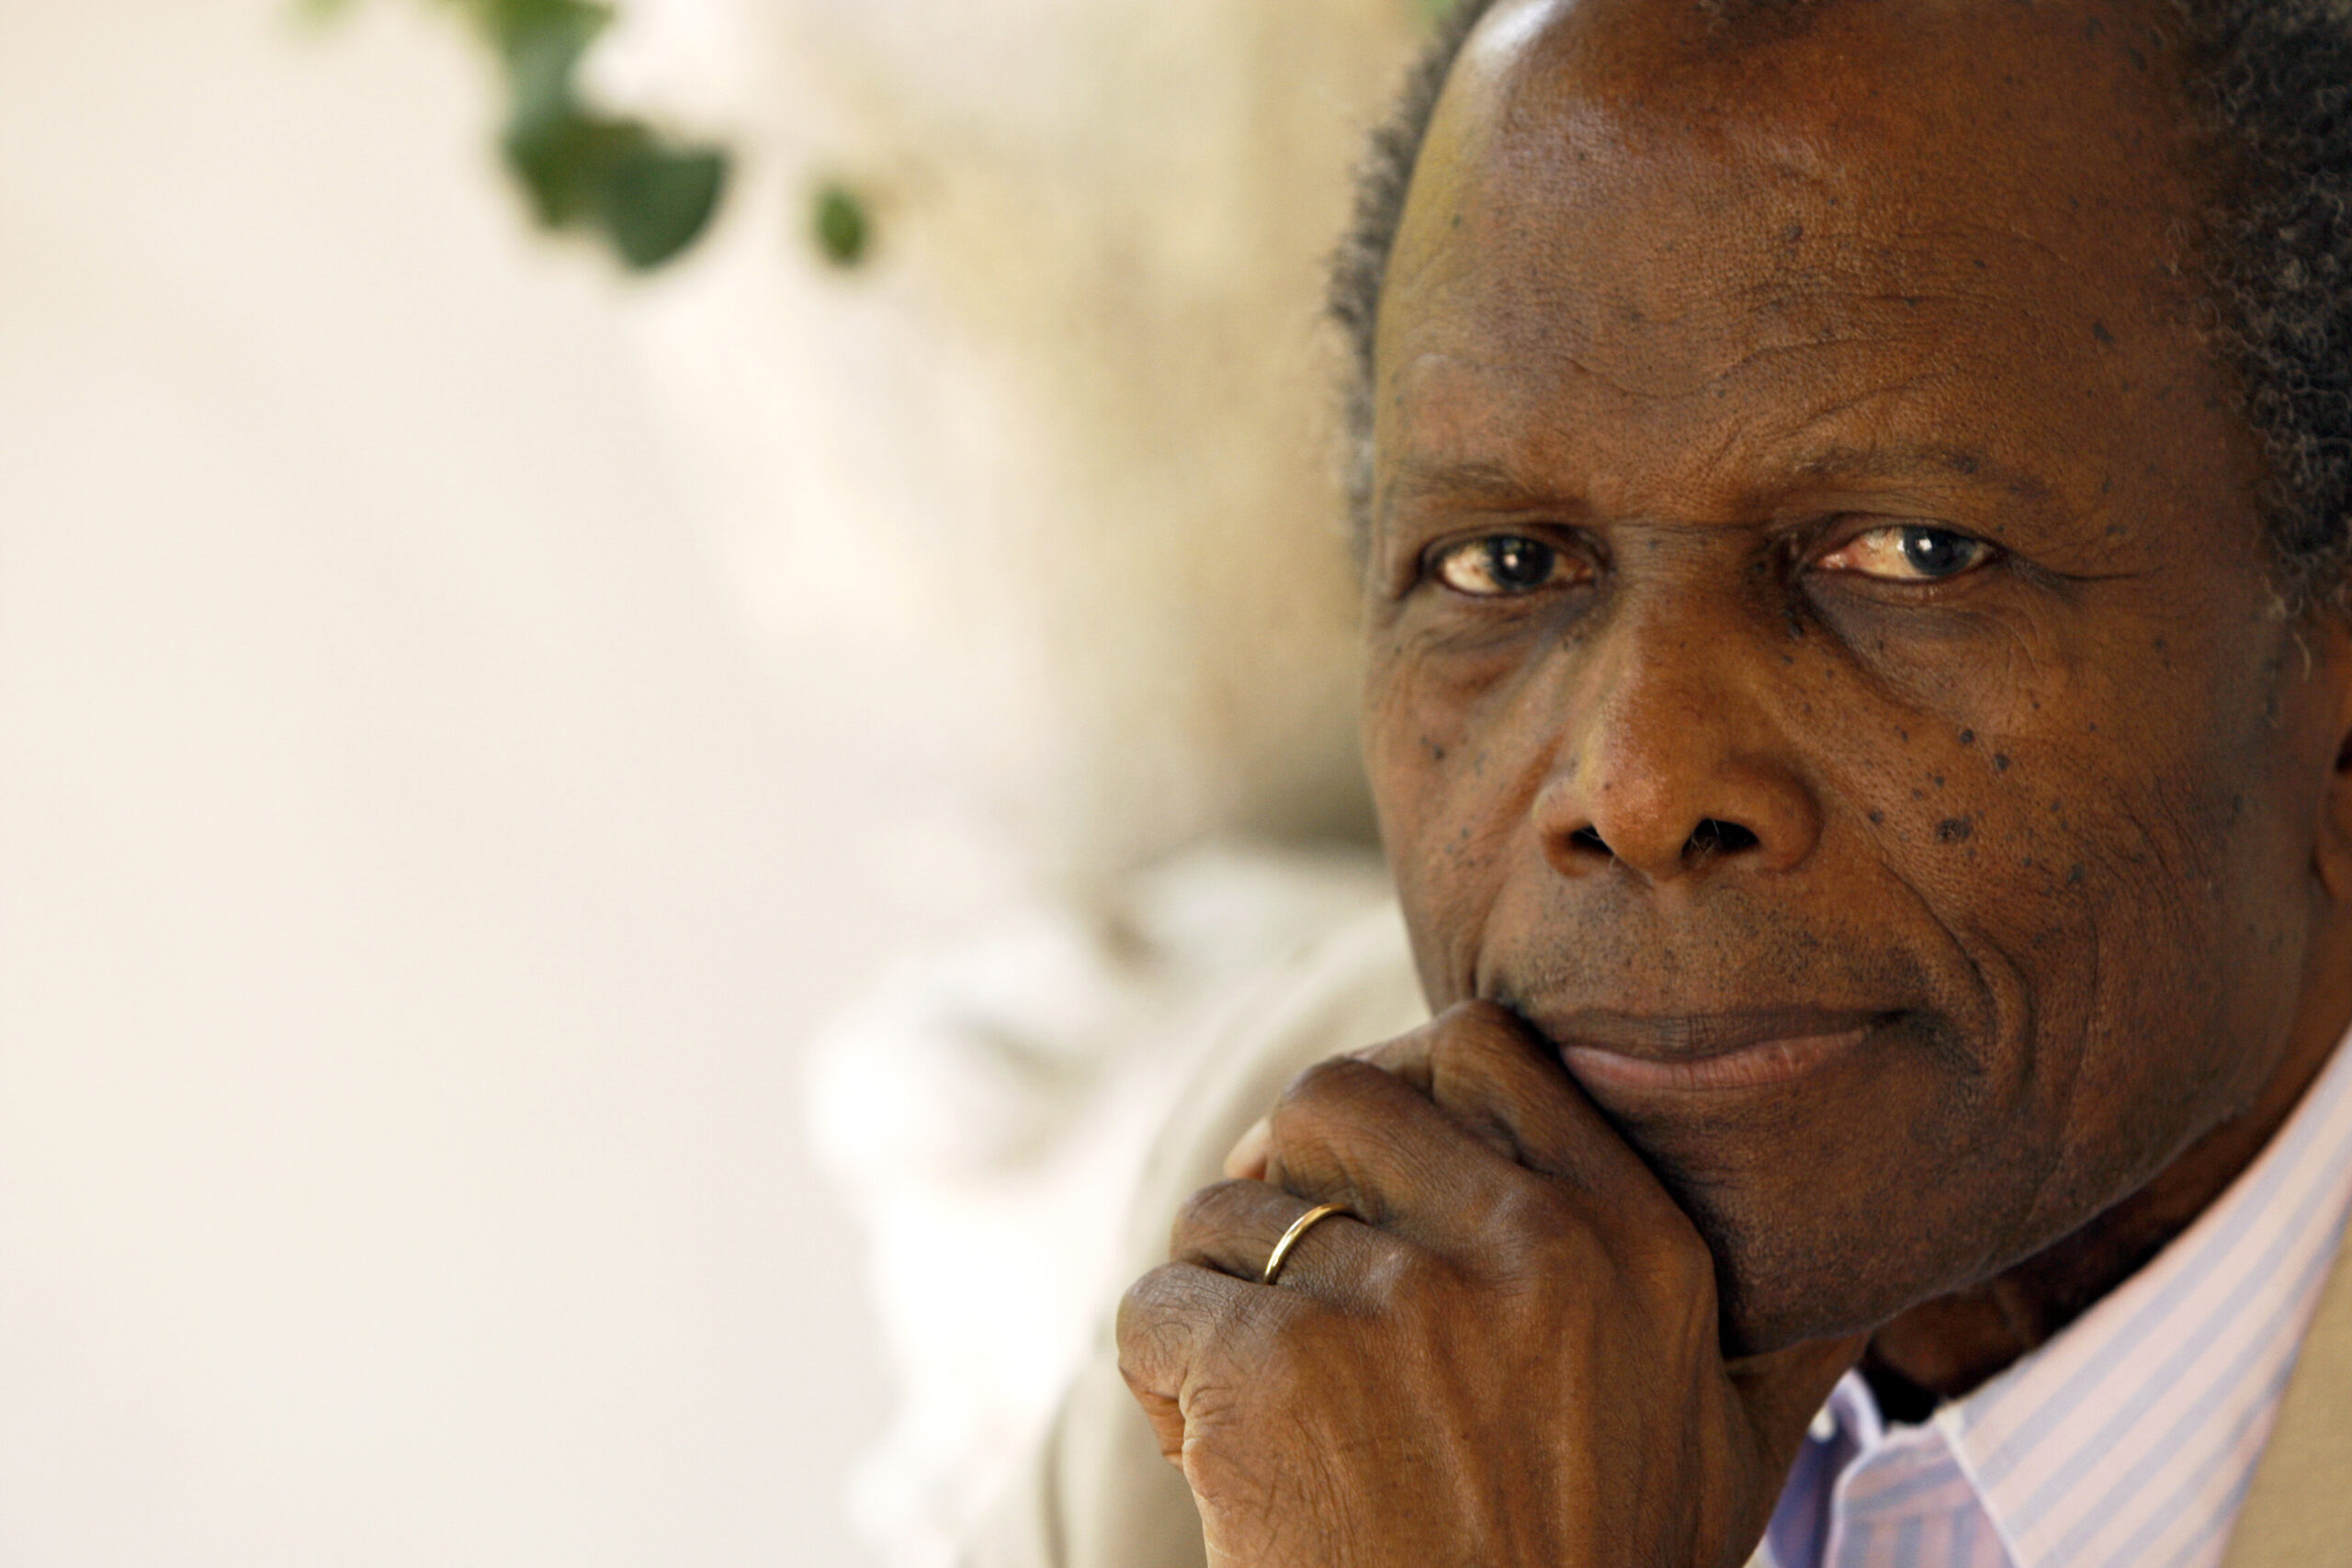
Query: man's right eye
x,y
1499,565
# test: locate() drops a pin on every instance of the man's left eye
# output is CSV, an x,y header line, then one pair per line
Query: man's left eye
x,y
1908,552
1497,565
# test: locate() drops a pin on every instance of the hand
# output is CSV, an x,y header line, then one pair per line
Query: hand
x,y
1509,1356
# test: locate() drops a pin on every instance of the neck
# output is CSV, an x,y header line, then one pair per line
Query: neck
x,y
1946,1348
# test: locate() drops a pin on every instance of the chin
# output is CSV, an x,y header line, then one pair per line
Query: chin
x,y
1788,1271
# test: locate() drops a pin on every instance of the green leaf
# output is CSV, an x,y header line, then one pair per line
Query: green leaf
x,y
541,43
658,203
841,227
565,160
647,196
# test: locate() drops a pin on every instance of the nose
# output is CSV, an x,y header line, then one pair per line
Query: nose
x,y
1671,765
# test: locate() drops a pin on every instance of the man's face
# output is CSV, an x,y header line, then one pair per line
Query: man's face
x,y
1823,675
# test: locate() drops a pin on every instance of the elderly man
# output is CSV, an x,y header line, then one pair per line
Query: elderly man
x,y
1860,711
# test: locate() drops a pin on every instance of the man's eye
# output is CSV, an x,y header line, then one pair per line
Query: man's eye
x,y
1499,564
1908,552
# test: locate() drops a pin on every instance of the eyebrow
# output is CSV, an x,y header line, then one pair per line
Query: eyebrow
x,y
1496,484
1487,483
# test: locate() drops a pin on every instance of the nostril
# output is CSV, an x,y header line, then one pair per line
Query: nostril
x,y
1587,837
1712,837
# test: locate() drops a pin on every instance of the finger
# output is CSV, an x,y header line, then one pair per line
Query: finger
x,y
1183,1330
1348,1133
1411,1057
1506,1087
1234,1227
1246,1161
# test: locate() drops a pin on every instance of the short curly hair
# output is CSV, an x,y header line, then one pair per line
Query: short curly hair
x,y
2273,78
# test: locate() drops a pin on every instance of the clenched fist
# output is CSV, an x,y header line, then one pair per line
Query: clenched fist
x,y
1506,1353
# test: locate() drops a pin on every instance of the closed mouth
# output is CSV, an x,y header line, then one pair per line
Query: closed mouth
x,y
1709,1051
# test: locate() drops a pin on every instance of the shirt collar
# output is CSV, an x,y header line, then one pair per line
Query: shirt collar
x,y
2131,1436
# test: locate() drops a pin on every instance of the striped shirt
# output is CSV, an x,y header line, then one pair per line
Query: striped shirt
x,y
2128,1441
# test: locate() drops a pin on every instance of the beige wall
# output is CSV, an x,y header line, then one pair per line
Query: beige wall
x,y
411,893
464,720
1076,414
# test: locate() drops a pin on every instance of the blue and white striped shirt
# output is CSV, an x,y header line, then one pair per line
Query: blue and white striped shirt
x,y
2128,1441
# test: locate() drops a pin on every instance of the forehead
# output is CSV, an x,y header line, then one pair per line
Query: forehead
x,y
1795,225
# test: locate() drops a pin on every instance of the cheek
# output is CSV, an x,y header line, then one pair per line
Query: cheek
x,y
1446,801
2126,887
2114,864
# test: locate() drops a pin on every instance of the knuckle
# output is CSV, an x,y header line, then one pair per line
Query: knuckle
x,y
1209,1210
1528,1215
1322,1081
1479,1044
1406,1282
1683,1271
1318,1097
1534,1239
1406,1056
1143,1303
1164,1297
1476,1028
1154,1327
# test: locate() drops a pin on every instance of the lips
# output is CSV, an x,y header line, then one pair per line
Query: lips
x,y
1704,1051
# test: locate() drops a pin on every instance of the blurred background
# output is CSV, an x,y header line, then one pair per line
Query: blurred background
x,y
658,668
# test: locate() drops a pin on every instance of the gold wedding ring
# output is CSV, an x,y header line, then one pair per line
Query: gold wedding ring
x,y
1298,1227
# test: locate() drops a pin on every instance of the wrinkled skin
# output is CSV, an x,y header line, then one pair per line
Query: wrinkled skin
x,y
1471,1374
1882,852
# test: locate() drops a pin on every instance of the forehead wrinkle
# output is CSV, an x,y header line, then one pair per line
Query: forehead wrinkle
x,y
1664,363
1738,436
1553,215
1808,383
1649,324
1560,146
1747,309
1944,464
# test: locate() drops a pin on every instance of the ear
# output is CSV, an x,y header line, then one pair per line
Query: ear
x,y
2331,652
